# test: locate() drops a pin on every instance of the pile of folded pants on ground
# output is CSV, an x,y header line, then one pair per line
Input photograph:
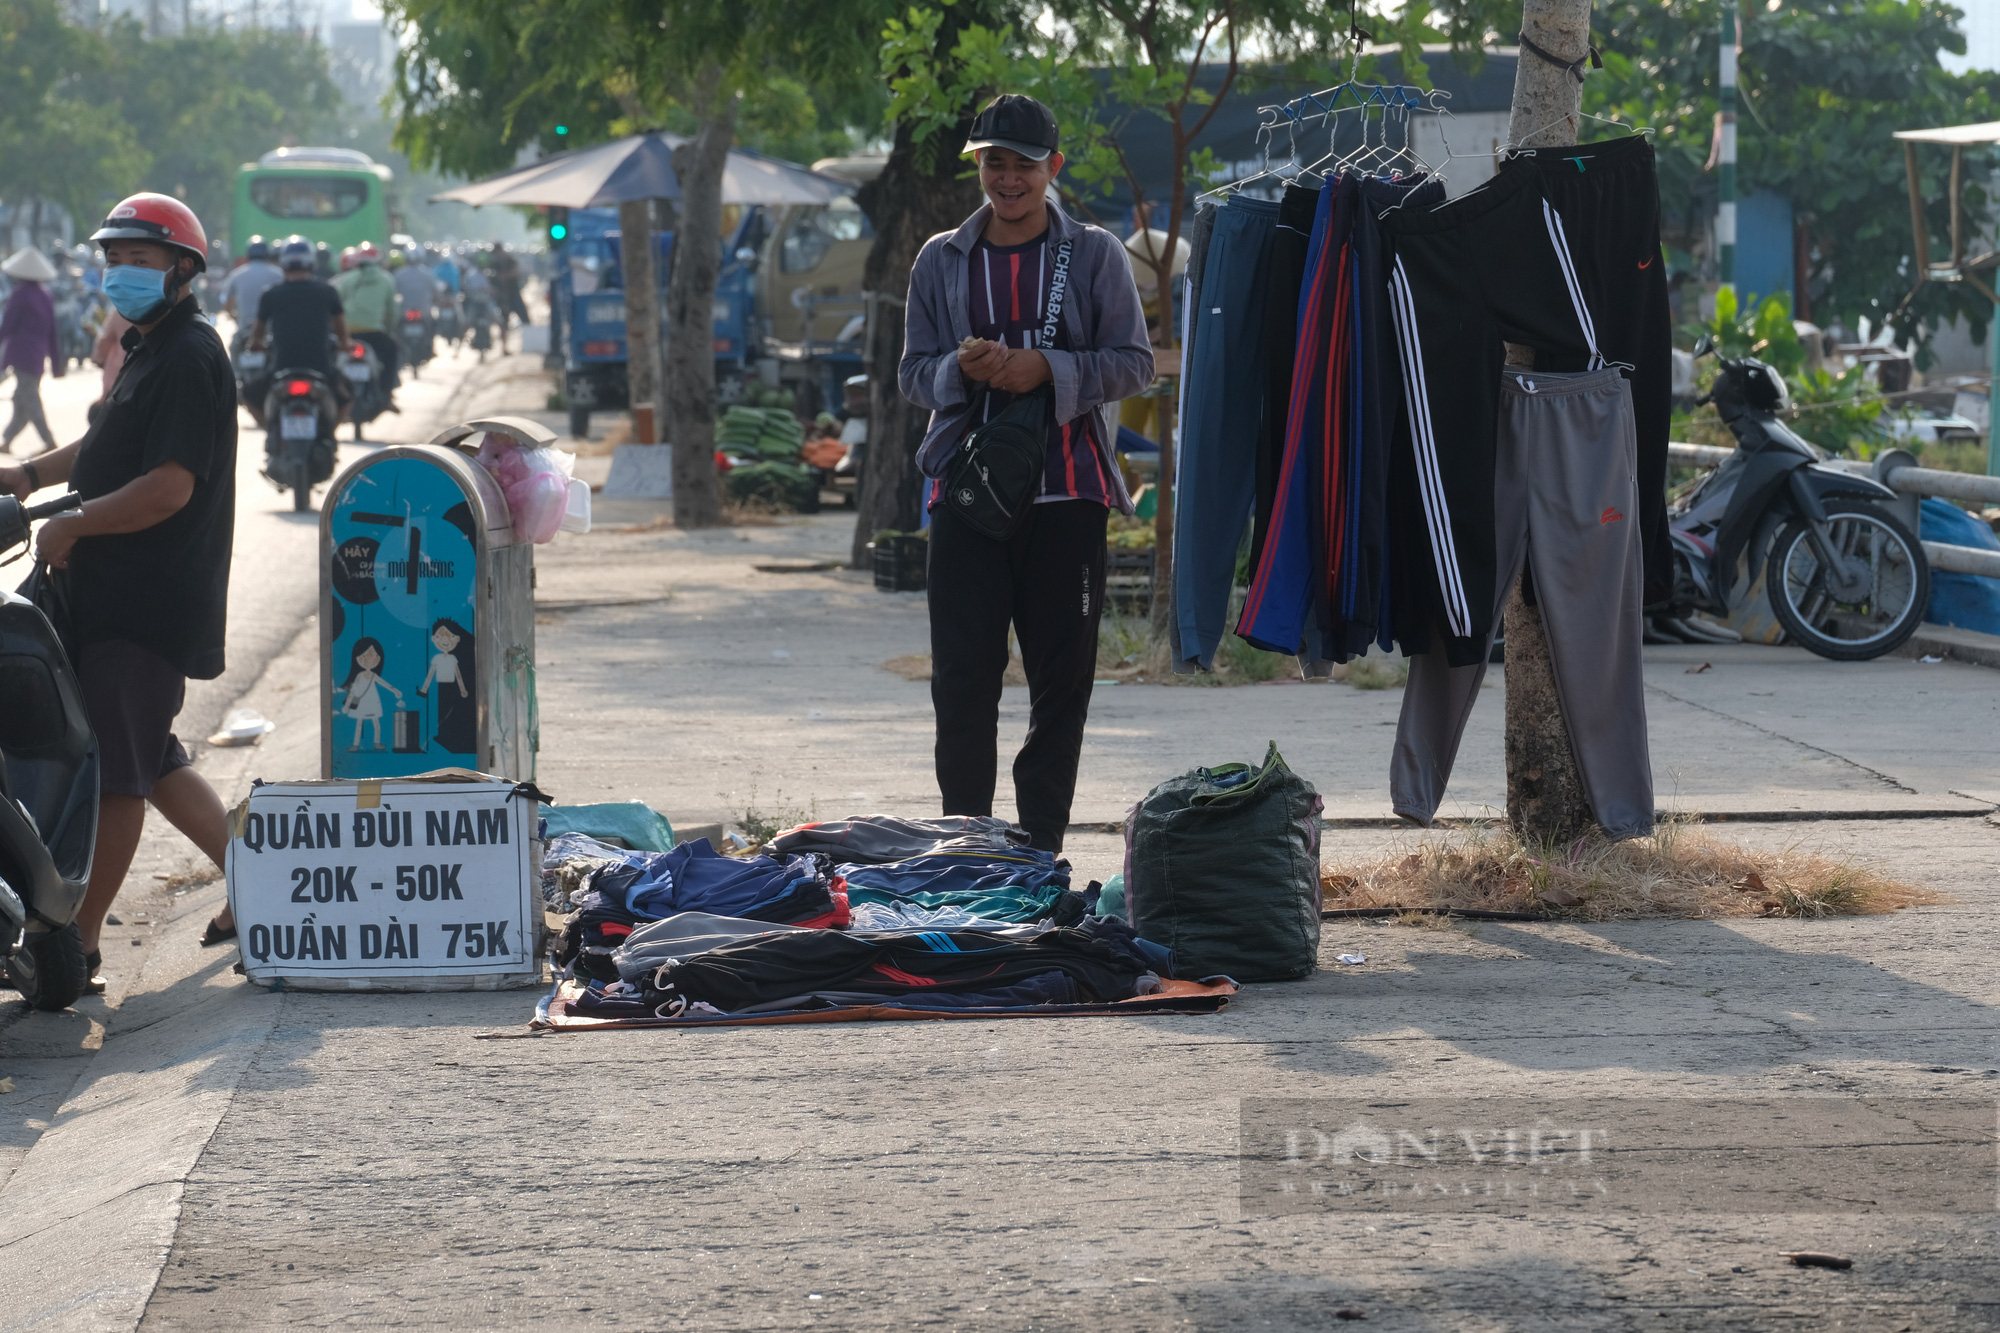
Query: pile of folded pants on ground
x,y
938,913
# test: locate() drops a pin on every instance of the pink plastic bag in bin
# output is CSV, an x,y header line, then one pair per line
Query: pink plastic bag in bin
x,y
535,482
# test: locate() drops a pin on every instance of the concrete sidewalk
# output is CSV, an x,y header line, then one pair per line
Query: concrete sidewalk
x,y
768,688
374,1162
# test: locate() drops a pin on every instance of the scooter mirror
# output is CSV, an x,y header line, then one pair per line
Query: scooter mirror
x,y
1703,346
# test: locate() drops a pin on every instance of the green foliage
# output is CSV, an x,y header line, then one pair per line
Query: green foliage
x,y
1824,84
479,81
1763,330
90,115
1840,412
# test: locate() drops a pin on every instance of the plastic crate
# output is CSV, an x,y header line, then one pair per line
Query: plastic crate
x,y
900,563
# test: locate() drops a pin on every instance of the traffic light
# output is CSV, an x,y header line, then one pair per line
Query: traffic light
x,y
558,224
562,131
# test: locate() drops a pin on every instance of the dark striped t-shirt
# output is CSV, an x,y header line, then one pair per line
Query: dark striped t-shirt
x,y
1010,291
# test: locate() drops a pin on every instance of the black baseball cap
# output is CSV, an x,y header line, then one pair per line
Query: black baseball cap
x,y
1015,122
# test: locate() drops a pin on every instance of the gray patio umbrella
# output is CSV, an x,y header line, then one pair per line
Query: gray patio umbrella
x,y
641,167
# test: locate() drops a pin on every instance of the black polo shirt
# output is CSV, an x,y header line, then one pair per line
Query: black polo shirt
x,y
166,587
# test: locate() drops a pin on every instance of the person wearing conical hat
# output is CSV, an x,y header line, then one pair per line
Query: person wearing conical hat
x,y
28,341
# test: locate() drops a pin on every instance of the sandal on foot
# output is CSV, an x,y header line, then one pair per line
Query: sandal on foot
x,y
93,961
217,934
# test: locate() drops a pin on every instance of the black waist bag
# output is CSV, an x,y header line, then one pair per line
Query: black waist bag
x,y
994,477
996,474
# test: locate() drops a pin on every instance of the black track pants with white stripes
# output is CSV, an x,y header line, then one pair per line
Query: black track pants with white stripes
x,y
1495,266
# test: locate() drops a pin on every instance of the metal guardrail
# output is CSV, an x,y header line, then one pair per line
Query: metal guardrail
x,y
1897,469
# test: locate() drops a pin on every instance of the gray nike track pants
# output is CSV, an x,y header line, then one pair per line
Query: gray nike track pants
x,y
1565,499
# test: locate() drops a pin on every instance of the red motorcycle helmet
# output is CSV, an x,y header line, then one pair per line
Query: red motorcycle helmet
x,y
157,217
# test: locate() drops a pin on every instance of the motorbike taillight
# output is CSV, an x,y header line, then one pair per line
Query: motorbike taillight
x,y
299,388
412,316
358,352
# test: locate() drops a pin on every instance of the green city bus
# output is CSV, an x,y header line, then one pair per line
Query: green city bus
x,y
335,195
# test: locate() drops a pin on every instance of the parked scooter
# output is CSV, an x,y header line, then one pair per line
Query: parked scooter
x,y
1846,578
300,418
48,791
372,397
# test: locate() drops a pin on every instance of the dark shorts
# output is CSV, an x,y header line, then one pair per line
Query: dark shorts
x,y
132,695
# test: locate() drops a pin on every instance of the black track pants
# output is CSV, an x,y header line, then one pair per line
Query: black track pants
x,y
1608,197
1512,261
1048,584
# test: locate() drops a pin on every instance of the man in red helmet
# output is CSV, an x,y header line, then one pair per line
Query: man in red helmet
x,y
145,563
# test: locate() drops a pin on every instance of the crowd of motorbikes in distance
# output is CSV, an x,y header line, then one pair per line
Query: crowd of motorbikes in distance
x,y
301,411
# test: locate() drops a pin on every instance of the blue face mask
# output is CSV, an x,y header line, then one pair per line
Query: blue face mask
x,y
139,293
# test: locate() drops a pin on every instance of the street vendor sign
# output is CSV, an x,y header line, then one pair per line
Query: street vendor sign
x,y
423,883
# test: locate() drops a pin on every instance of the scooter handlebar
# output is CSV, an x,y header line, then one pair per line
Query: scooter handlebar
x,y
62,504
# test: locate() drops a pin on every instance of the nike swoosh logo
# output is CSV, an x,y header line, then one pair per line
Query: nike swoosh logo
x,y
1645,263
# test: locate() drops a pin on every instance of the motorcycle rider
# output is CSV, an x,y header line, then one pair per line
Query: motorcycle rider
x,y
300,316
451,317
144,565
28,332
257,274
445,270
373,307
418,291
479,309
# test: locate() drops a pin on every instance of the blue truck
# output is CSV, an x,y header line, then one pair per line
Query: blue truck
x,y
787,305
590,307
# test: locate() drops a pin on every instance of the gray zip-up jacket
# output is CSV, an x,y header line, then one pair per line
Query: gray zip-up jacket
x,y
1111,357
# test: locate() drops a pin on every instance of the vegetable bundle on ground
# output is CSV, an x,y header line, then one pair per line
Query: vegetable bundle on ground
x,y
768,433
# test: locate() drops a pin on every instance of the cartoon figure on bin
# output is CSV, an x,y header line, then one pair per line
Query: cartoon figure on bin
x,y
450,666
364,705
403,570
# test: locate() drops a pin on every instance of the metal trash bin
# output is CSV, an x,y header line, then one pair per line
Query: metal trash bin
x,y
427,614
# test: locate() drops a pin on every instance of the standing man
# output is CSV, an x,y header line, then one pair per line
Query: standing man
x,y
145,563
974,339
506,275
372,306
28,342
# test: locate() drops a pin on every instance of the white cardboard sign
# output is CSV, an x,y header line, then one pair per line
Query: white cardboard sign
x,y
392,884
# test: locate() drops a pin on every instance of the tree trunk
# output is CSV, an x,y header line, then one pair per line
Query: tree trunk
x,y
642,316
1545,795
918,195
697,263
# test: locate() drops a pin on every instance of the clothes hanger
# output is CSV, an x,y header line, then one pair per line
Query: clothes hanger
x,y
1508,150
1318,167
1225,190
1430,103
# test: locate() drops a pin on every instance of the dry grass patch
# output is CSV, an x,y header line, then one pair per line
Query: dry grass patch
x,y
917,666
1682,871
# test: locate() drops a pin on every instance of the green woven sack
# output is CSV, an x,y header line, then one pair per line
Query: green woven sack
x,y
1222,867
